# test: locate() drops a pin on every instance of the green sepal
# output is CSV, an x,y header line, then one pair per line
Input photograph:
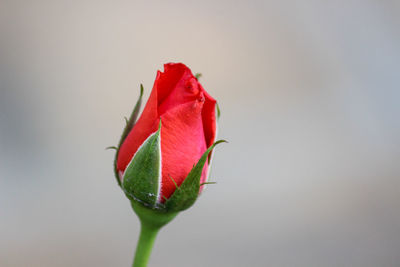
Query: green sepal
x,y
186,194
128,127
142,175
132,119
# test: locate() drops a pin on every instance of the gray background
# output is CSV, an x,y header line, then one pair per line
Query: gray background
x,y
309,93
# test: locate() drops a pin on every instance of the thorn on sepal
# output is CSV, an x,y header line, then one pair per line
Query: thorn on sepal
x,y
111,147
207,183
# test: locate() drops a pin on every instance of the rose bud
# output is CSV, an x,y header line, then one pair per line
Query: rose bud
x,y
163,159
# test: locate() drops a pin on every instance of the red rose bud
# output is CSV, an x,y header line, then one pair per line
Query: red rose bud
x,y
163,160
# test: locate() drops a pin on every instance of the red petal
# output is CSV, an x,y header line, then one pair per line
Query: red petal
x,y
178,86
147,124
182,144
209,118
167,81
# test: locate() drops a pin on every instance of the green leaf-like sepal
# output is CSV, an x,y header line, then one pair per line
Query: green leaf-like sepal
x,y
186,194
142,176
129,125
132,119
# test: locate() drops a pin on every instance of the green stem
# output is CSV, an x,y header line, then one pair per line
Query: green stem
x,y
151,221
145,245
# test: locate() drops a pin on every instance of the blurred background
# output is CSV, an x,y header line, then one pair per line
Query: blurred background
x,y
310,99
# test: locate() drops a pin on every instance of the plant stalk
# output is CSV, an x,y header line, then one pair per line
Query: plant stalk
x,y
151,222
145,245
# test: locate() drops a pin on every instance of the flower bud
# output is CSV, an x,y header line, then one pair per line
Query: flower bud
x,y
163,159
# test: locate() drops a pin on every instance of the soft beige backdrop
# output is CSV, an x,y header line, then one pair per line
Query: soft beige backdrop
x,y
310,100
